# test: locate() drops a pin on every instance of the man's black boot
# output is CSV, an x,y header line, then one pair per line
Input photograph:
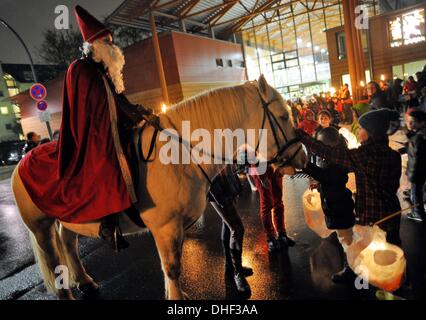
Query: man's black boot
x,y
110,231
285,241
240,273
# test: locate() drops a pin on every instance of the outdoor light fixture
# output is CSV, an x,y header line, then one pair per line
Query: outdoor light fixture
x,y
163,108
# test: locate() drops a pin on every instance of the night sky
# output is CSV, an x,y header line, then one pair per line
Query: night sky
x,y
30,18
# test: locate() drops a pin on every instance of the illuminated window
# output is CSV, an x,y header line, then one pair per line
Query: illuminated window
x,y
408,28
4,110
341,45
13,91
11,85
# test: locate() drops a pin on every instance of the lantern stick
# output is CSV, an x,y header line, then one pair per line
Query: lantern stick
x,y
395,214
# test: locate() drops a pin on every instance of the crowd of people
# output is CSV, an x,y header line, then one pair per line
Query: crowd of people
x,y
383,108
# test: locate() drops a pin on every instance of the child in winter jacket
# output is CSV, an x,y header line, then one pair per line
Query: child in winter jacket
x,y
416,166
308,124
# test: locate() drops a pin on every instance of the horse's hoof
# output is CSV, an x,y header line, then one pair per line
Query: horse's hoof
x,y
89,289
186,296
66,295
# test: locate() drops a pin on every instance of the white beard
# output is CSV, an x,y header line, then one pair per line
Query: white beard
x,y
113,59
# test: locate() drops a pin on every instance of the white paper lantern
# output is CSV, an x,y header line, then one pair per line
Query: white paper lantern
x,y
380,263
314,215
351,184
350,137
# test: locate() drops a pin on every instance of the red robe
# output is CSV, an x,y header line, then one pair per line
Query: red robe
x,y
78,179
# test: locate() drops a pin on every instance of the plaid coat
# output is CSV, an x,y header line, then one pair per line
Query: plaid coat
x,y
377,169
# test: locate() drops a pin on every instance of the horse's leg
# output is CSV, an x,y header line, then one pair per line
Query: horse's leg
x,y
78,274
44,237
169,240
46,247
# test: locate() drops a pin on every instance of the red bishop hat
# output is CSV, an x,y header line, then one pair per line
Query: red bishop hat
x,y
91,28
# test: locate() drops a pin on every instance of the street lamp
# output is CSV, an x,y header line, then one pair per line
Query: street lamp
x,y
7,26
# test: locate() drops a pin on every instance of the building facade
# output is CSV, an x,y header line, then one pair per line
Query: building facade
x,y
394,46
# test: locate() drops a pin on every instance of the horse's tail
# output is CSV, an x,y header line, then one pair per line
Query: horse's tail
x,y
53,276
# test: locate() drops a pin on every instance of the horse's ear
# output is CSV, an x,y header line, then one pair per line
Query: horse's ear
x,y
265,89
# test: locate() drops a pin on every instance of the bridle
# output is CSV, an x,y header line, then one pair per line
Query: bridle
x,y
267,114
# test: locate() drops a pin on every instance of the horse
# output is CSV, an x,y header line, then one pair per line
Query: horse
x,y
177,191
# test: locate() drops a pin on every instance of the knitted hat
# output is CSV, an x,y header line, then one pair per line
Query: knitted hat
x,y
377,122
418,115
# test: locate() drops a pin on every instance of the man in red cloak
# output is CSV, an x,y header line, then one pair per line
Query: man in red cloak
x,y
86,175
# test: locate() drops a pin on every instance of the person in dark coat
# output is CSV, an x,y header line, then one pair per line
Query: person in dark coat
x,y
33,140
377,170
224,190
336,199
335,115
416,167
377,96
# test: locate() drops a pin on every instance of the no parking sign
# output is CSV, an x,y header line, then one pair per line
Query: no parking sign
x,y
42,105
38,92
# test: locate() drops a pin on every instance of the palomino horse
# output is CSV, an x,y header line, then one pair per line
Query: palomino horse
x,y
178,191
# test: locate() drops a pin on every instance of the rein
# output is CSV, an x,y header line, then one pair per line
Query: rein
x,y
267,114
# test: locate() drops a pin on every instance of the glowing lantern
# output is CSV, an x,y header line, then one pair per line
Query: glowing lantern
x,y
351,184
350,137
314,215
380,263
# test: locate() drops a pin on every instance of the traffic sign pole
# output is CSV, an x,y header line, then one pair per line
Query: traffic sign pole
x,y
39,92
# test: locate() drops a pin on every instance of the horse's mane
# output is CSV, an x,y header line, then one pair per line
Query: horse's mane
x,y
221,107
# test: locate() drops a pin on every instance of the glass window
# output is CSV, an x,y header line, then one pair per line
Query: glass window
x,y
10,83
291,63
397,72
278,65
308,73
278,57
293,75
408,28
341,46
4,110
290,54
13,92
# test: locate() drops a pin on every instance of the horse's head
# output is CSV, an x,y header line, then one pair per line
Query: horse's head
x,y
279,124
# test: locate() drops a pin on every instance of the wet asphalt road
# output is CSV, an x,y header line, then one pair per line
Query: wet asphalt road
x,y
301,272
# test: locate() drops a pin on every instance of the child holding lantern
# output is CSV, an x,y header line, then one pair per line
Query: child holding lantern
x,y
376,166
336,199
